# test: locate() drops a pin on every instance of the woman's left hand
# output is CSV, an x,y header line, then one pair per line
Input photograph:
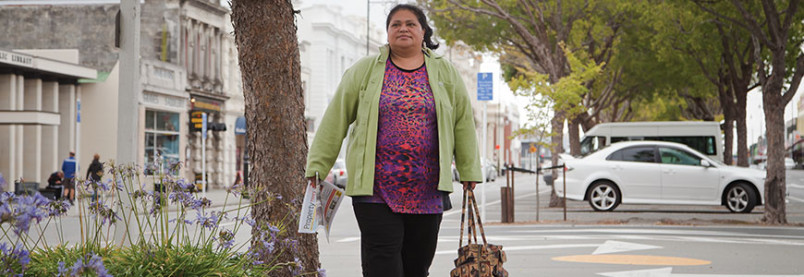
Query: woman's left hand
x,y
468,185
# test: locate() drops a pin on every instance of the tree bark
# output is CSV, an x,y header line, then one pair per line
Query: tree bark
x,y
575,135
728,138
775,188
265,33
557,143
742,131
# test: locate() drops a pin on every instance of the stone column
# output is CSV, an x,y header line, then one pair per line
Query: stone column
x,y
18,148
32,150
50,138
8,136
66,131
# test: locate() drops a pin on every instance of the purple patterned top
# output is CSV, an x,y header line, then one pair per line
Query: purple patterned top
x,y
406,165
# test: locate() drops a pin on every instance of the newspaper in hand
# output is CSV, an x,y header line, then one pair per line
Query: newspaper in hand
x,y
319,207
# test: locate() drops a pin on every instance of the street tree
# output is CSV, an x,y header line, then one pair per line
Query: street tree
x,y
531,31
777,33
265,33
685,35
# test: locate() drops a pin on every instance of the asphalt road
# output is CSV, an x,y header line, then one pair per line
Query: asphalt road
x,y
658,240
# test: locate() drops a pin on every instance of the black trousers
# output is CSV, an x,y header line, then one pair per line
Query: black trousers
x,y
393,244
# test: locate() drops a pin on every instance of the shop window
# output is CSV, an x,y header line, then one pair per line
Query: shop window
x,y
161,142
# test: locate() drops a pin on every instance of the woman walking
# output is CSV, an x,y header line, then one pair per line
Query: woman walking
x,y
411,116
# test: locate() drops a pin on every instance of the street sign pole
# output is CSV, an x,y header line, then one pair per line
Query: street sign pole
x,y
485,93
204,154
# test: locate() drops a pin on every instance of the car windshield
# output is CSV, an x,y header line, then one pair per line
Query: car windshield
x,y
592,144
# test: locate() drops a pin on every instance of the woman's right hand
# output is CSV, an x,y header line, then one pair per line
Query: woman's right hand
x,y
311,181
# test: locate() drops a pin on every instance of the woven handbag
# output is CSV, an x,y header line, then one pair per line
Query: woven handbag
x,y
475,259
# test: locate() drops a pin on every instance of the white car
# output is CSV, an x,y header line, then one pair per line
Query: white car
x,y
652,172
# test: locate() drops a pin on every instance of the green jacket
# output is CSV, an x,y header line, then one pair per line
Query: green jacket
x,y
356,102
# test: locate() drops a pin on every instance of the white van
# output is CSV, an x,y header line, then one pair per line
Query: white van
x,y
703,136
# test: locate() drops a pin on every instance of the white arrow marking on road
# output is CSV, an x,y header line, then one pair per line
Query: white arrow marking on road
x,y
659,272
668,272
613,246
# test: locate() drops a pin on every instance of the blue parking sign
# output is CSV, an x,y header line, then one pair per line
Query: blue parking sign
x,y
485,86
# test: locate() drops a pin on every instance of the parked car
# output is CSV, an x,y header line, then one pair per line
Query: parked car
x,y
488,166
652,172
338,175
788,164
490,169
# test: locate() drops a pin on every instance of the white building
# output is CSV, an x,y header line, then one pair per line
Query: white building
x,y
188,65
329,43
38,111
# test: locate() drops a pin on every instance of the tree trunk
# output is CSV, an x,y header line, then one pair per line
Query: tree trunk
x,y
775,188
557,143
265,34
575,135
728,137
727,105
742,130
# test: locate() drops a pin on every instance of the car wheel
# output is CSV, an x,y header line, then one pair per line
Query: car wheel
x,y
604,196
740,198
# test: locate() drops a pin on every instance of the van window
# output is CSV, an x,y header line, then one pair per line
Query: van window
x,y
701,144
591,144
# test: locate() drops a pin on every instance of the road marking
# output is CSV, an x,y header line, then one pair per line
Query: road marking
x,y
458,210
668,272
632,260
795,198
796,186
613,246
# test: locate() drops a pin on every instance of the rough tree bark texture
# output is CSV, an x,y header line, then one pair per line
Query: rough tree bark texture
x,y
265,33
775,188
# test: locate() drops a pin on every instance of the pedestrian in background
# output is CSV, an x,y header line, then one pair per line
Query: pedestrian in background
x,y
55,182
94,173
410,113
69,166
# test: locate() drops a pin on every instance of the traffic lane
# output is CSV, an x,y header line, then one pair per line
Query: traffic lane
x,y
582,251
795,185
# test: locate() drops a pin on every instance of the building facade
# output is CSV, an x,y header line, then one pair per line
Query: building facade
x,y
39,114
188,66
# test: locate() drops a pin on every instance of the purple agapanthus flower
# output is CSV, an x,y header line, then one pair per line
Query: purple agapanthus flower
x,y
93,263
13,257
226,238
62,269
98,208
184,184
3,184
209,222
29,208
58,208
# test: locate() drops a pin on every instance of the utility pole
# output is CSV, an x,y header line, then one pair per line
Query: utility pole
x,y
129,94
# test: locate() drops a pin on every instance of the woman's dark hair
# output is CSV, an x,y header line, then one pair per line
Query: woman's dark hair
x,y
428,31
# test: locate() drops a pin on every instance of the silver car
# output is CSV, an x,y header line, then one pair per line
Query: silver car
x,y
338,175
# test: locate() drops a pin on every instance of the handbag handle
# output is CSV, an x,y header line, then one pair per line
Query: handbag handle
x,y
474,214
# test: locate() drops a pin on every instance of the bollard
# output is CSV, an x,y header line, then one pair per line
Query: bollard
x,y
537,192
507,197
564,201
